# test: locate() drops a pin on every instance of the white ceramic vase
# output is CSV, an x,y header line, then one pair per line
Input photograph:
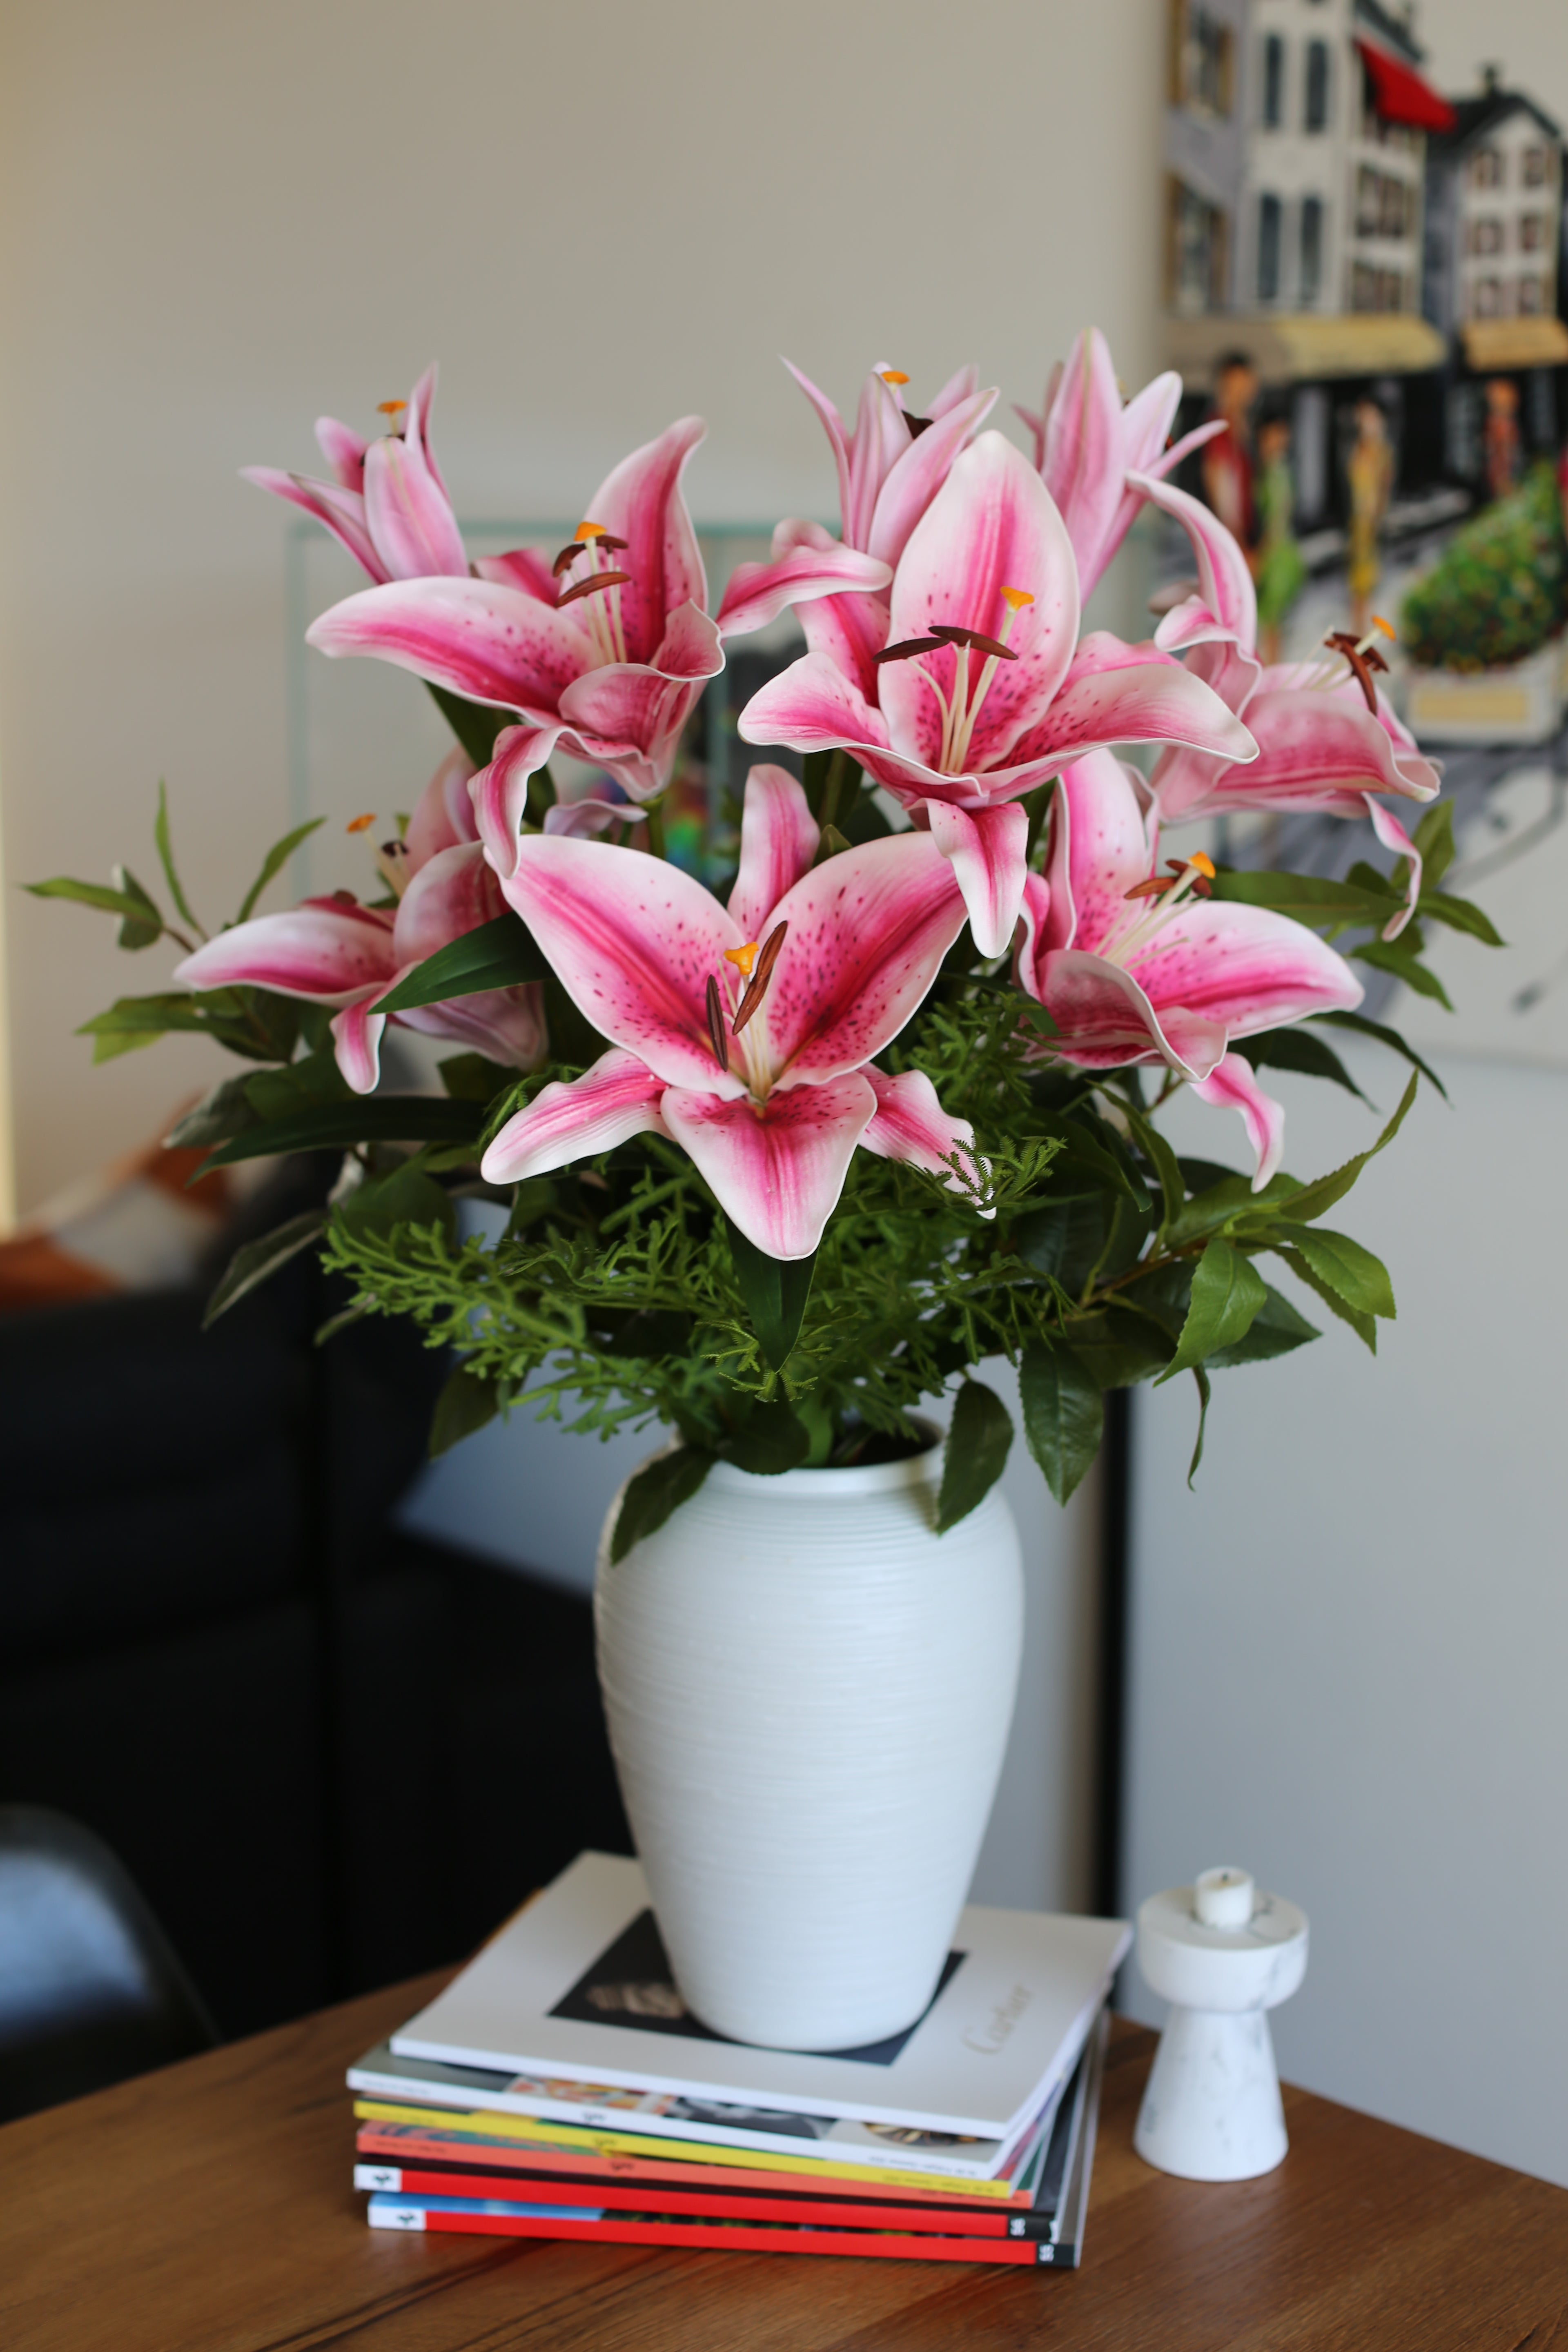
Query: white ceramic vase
x,y
809,1693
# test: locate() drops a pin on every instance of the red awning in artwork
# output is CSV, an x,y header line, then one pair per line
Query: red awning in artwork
x,y
1401,96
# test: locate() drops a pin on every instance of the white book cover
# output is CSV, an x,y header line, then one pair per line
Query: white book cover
x,y
578,1986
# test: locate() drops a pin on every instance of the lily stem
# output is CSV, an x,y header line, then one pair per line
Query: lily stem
x,y
832,791
655,827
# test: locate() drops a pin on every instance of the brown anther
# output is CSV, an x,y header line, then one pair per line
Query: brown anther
x,y
918,425
1203,888
345,898
906,647
592,587
1156,888
758,987
395,849
716,1025
567,557
610,543
1361,664
973,639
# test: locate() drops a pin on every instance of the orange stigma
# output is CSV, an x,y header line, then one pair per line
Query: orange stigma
x,y
742,958
1379,623
390,408
1016,599
1205,865
892,375
360,824
587,530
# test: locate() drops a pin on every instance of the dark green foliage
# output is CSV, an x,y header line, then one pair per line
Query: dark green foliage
x,y
975,1455
1500,589
654,1493
1064,1413
252,1264
498,954
775,1291
465,1403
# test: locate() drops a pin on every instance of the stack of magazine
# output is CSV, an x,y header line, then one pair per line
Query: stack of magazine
x,y
560,2088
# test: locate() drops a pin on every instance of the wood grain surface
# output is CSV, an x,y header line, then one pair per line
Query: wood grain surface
x,y
207,2209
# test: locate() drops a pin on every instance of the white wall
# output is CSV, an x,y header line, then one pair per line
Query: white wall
x,y
218,221
1351,1644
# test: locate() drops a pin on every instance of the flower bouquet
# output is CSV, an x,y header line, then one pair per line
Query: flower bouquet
x,y
777,1162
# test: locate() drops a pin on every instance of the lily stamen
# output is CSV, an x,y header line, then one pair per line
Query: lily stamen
x,y
360,824
716,1025
757,986
592,586
743,957
1361,658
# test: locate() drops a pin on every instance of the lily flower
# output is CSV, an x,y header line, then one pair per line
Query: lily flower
x,y
387,505
333,950
893,463
1137,966
1087,443
604,652
1328,738
743,1032
980,690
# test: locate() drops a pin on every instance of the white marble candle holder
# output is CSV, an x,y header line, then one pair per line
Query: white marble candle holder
x,y
1223,1955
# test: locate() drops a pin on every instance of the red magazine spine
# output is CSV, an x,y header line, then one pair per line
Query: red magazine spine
x,y
815,2213
733,2238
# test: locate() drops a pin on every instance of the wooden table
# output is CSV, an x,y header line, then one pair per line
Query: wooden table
x,y
207,2209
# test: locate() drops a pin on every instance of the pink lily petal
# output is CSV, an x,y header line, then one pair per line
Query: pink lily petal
x,y
991,526
776,1169
454,892
850,631
1103,844
1107,1020
881,436
1032,941
444,815
499,792
779,838
833,424
1318,748
1393,836
505,1025
328,950
910,1124
342,510
1225,581
416,422
634,941
867,931
524,568
614,1099
1117,693
1244,966
1146,422
800,570
580,819
1231,1086
641,502
356,1038
963,385
915,478
343,450
410,520
811,707
1084,459
985,848
487,643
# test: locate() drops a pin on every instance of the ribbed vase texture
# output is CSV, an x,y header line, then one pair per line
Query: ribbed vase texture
x,y
809,1693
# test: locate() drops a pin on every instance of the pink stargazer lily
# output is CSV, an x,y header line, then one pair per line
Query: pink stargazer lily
x,y
1328,738
387,505
336,951
1087,443
606,651
1136,968
981,689
893,463
743,1032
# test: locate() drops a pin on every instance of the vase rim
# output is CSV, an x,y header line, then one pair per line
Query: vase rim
x,y
823,1485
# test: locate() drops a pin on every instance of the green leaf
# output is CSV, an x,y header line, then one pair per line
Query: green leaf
x,y
1298,1049
1312,1200
1164,1162
1064,1414
1275,1330
654,1493
1361,1279
1364,1326
774,1290
1117,1347
978,1437
143,932
1208,1212
498,954
339,1126
1385,1036
1402,959
276,857
472,1077
1227,1292
832,844
222,1112
166,859
314,1078
573,1037
93,894
1201,1379
769,1441
1461,915
1096,1155
1094,1233
405,1195
252,1264
465,1403
1434,838
1313,898
476,725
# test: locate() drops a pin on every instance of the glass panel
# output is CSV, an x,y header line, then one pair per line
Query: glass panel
x,y
1269,217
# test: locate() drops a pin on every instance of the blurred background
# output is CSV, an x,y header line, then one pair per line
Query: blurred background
x,y
335,1712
